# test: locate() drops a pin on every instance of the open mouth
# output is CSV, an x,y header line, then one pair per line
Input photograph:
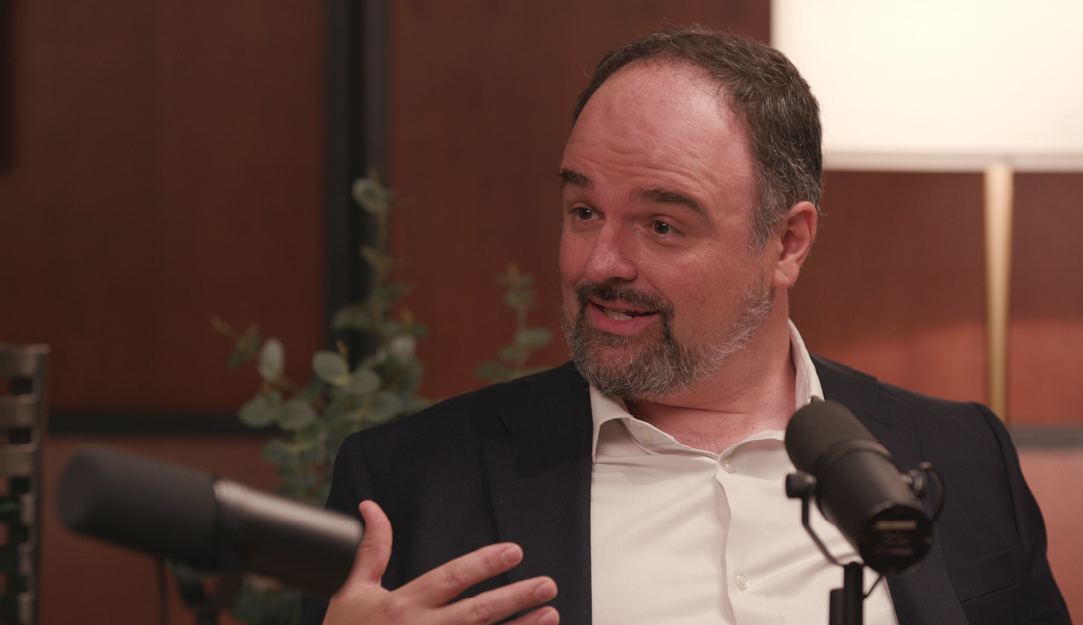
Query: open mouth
x,y
618,314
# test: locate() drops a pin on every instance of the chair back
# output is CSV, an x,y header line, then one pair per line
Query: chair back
x,y
23,414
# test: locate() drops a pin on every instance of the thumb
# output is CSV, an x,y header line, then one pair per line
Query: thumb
x,y
375,551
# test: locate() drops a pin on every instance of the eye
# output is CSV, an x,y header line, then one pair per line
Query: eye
x,y
661,227
583,213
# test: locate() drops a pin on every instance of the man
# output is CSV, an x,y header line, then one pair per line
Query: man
x,y
646,479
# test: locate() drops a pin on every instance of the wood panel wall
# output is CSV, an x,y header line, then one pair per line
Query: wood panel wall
x,y
895,284
166,165
1045,376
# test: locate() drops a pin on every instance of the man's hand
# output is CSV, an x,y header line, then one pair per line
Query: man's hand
x,y
423,601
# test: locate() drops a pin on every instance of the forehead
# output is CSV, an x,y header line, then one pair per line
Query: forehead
x,y
663,124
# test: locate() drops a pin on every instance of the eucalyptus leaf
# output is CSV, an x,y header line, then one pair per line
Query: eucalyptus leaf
x,y
533,338
311,434
416,404
391,292
352,317
260,411
363,381
409,376
383,406
244,348
493,372
296,414
510,353
341,403
278,451
272,359
402,347
311,454
371,195
299,482
237,358
516,299
313,390
417,330
334,442
344,422
378,357
331,367
375,258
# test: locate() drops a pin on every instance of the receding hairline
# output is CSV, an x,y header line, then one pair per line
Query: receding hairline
x,y
677,62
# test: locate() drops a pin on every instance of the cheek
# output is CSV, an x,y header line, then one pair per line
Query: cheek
x,y
569,306
571,260
570,273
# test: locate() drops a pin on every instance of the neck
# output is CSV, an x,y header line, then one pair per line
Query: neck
x,y
752,392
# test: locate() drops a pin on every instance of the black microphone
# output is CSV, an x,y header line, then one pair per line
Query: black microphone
x,y
858,486
207,523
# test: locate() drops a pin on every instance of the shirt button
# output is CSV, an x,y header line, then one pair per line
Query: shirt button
x,y
741,581
646,434
727,466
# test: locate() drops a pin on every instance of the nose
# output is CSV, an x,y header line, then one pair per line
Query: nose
x,y
612,256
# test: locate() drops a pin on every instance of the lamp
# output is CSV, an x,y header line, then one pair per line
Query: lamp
x,y
947,85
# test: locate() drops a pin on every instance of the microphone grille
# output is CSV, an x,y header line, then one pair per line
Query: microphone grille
x,y
138,503
817,428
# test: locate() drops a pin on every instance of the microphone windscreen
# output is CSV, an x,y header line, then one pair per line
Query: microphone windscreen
x,y
819,427
149,506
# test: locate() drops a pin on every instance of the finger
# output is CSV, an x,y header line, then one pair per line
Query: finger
x,y
448,581
542,616
495,605
375,551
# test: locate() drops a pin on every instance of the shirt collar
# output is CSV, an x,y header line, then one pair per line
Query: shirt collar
x,y
605,407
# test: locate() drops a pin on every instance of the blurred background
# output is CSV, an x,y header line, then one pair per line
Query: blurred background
x,y
166,162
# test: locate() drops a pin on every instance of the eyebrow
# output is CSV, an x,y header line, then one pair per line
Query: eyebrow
x,y
665,196
658,195
574,178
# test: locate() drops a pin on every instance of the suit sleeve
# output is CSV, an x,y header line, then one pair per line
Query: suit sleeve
x,y
1045,603
350,485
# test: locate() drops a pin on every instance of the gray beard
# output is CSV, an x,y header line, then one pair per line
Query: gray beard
x,y
656,366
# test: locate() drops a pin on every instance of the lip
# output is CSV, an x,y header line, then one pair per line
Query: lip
x,y
625,327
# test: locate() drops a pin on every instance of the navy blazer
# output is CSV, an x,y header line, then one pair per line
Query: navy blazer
x,y
512,462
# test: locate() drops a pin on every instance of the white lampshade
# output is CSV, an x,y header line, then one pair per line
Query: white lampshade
x,y
941,84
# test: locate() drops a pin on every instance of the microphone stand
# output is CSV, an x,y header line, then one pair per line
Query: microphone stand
x,y
194,593
846,604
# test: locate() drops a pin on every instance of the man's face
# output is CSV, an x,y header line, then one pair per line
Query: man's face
x,y
660,283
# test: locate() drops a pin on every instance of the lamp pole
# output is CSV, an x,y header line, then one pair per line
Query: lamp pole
x,y
998,265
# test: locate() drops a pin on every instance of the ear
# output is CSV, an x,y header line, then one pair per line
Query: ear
x,y
794,241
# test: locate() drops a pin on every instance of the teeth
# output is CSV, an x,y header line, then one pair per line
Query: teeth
x,y
616,314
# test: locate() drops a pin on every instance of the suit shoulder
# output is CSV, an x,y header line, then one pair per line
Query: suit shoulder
x,y
841,381
469,414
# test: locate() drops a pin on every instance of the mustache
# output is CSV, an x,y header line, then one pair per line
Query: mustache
x,y
612,292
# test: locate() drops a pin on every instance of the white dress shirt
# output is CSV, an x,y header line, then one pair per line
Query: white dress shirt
x,y
683,536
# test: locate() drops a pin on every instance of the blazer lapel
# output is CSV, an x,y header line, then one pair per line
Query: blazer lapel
x,y
924,594
539,481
